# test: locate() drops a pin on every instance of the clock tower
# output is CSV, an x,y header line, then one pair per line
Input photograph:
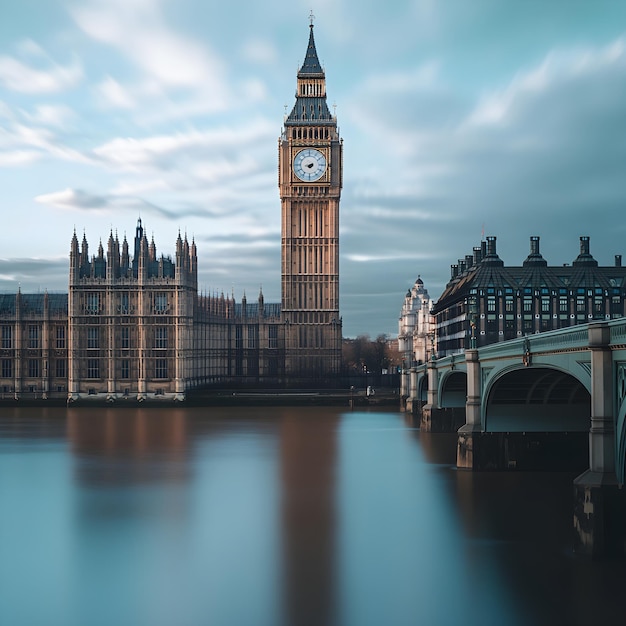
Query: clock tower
x,y
310,180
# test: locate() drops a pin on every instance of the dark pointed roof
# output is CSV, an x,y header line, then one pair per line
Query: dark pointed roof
x,y
311,65
310,109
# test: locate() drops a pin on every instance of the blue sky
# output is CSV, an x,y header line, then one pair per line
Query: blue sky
x,y
459,118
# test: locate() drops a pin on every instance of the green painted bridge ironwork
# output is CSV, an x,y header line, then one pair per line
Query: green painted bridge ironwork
x,y
510,398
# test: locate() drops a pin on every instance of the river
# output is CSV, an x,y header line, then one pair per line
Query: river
x,y
278,516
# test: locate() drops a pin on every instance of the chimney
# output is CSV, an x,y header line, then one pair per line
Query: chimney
x,y
478,257
618,260
454,271
491,246
462,267
534,245
584,245
469,261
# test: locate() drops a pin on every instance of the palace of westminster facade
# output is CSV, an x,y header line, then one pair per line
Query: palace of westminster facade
x,y
134,326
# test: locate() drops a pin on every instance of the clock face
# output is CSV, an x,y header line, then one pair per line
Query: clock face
x,y
309,165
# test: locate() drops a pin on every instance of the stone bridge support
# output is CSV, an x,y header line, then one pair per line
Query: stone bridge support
x,y
600,503
470,431
412,401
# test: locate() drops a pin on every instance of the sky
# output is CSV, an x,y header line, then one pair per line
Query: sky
x,y
460,120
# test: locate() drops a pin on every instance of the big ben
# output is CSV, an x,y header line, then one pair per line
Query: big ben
x,y
310,180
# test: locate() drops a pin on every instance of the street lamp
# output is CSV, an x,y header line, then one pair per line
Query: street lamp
x,y
431,337
473,318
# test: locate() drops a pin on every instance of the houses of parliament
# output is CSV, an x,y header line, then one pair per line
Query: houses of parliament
x,y
133,325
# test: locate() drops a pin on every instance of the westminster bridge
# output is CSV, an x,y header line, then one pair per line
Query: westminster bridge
x,y
551,400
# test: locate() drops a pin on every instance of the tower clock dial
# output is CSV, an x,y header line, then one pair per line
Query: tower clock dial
x,y
309,165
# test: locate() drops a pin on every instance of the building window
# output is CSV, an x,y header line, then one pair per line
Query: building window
x,y
160,368
125,369
33,368
160,302
616,305
491,304
125,337
93,337
580,304
7,368
93,304
60,337
160,337
238,337
508,303
61,368
563,304
253,336
598,305
124,304
33,336
7,337
93,368
528,305
545,305
273,336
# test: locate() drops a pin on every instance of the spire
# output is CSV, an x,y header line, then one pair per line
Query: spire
x,y
311,63
310,107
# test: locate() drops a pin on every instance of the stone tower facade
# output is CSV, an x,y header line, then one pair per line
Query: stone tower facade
x,y
130,319
310,179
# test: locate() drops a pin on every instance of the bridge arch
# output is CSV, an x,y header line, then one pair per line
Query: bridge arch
x,y
453,389
536,399
422,388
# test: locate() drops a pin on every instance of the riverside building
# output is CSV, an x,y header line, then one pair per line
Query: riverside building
x,y
485,301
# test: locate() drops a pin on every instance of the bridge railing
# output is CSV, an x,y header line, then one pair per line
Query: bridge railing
x,y
563,339
618,331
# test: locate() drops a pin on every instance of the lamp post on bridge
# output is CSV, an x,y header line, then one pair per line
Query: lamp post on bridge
x,y
473,318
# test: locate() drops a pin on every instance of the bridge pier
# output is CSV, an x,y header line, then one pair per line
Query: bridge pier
x,y
467,451
599,501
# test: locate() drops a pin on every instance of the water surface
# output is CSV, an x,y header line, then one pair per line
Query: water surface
x,y
270,516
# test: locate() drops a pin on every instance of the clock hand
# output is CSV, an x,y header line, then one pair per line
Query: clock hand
x,y
310,165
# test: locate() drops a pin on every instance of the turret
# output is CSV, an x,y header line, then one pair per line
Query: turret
x,y
74,260
125,261
152,255
112,259
138,238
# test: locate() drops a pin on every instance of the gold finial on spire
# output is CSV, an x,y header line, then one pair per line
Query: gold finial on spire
x,y
311,18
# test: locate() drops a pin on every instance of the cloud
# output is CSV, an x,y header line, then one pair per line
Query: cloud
x,y
114,94
558,67
50,115
139,31
19,157
79,200
27,274
21,77
260,51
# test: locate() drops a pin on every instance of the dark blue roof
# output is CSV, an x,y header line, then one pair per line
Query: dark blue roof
x,y
271,309
311,65
310,110
33,303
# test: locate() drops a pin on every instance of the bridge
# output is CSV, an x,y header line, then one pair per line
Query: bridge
x,y
552,400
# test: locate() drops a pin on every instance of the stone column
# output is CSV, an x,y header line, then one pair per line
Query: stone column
x,y
600,505
469,433
429,410
408,384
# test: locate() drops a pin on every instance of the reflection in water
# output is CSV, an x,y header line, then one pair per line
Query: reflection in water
x,y
308,460
122,446
266,517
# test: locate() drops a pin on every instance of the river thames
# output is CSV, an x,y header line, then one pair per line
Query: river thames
x,y
278,516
